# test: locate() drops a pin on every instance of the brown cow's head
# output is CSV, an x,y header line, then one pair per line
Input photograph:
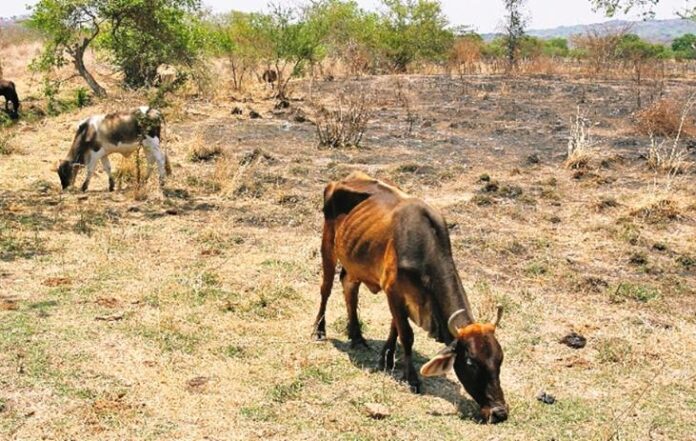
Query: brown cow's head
x,y
476,356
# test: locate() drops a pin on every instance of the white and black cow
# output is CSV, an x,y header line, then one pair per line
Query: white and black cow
x,y
99,136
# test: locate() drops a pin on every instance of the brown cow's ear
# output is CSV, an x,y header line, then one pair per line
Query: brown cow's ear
x,y
440,364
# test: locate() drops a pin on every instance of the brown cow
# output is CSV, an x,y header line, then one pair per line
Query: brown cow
x,y
396,243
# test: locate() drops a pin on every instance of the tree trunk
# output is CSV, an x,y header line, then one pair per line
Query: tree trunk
x,y
84,73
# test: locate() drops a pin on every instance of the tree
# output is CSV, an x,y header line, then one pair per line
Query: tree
x,y
684,47
237,39
413,30
138,35
144,34
70,27
638,54
515,24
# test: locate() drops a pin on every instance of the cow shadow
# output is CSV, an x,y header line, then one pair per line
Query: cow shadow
x,y
439,387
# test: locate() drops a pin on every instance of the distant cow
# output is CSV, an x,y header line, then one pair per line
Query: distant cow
x,y
269,76
396,243
9,91
166,75
99,136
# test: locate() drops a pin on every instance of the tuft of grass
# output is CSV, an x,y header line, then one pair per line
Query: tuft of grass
x,y
580,146
202,152
630,291
613,350
7,147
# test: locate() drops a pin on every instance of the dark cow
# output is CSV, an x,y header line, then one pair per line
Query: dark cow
x,y
9,91
269,76
99,136
396,243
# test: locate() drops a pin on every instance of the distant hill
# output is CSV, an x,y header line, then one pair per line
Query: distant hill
x,y
656,31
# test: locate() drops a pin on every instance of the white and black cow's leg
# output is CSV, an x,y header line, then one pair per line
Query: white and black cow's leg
x,y
91,159
106,165
152,145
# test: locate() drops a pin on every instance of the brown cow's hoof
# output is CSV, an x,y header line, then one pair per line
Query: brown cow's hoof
x,y
359,342
319,336
416,388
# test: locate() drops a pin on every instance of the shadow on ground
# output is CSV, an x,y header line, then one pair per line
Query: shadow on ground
x,y
439,387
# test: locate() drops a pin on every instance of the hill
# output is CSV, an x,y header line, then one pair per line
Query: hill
x,y
656,31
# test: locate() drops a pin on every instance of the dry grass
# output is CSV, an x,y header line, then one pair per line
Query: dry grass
x,y
188,315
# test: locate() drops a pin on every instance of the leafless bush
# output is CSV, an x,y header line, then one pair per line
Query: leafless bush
x,y
345,126
600,47
666,117
670,155
580,146
465,56
404,98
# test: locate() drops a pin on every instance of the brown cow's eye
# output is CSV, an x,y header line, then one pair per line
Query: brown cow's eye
x,y
469,362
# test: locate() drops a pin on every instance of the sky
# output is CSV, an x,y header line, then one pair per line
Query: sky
x,y
482,15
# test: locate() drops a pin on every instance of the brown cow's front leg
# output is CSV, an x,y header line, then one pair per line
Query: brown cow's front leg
x,y
351,288
386,356
400,318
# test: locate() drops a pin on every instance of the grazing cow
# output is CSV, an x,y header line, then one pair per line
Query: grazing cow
x,y
99,136
269,76
396,243
8,90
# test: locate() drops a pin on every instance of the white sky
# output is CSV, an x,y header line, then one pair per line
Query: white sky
x,y
483,15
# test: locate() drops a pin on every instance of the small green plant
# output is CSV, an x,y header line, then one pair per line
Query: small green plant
x,y
257,413
82,98
280,393
50,92
638,293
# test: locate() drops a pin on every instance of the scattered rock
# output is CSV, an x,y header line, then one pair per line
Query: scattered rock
x,y
57,281
110,318
491,187
555,220
574,340
282,104
659,246
8,305
237,111
638,259
545,397
533,159
107,302
253,114
377,411
171,211
197,384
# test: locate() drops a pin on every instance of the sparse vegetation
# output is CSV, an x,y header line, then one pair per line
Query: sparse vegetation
x,y
123,314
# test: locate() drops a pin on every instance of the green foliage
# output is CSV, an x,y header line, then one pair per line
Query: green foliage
x,y
633,49
684,47
82,98
556,47
143,34
137,35
414,30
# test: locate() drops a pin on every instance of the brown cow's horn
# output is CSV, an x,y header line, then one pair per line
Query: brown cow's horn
x,y
498,315
453,329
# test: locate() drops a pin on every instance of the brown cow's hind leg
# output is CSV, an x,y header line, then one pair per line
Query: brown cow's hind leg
x,y
351,289
328,259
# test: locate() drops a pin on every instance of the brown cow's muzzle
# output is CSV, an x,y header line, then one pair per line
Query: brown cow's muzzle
x,y
494,415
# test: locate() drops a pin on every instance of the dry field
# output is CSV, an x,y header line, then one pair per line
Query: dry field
x,y
187,314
